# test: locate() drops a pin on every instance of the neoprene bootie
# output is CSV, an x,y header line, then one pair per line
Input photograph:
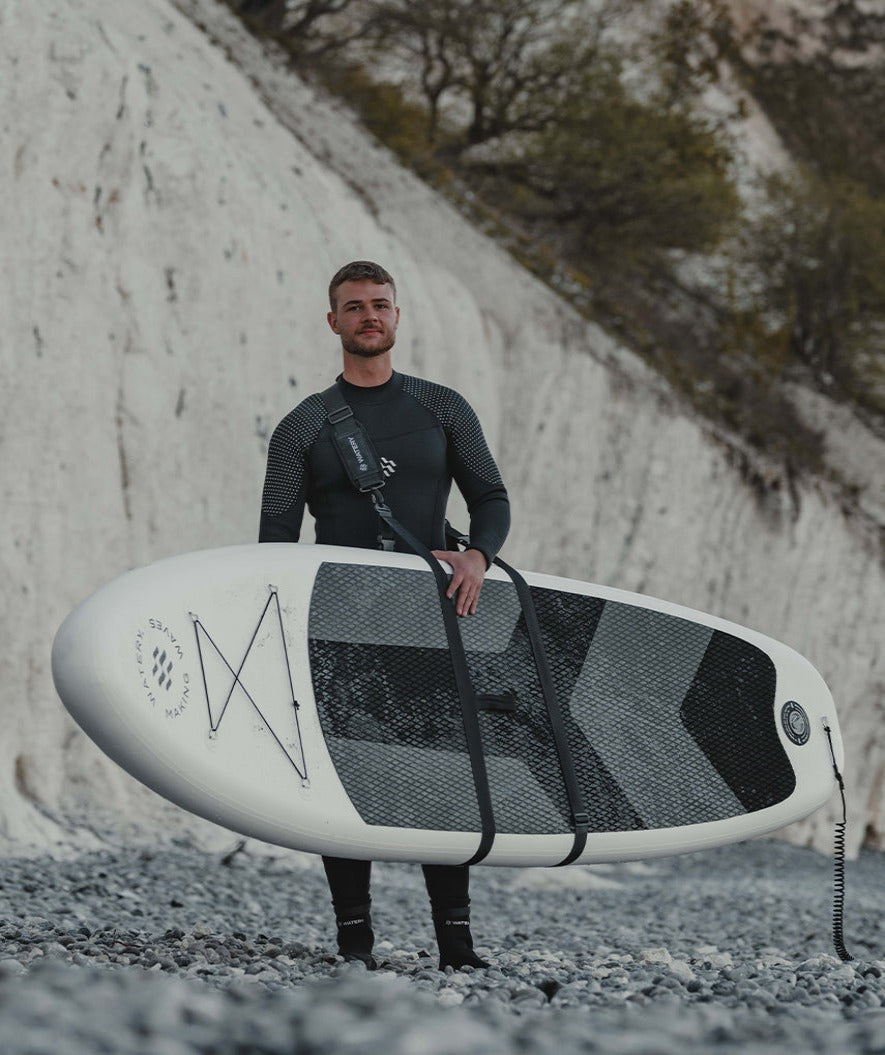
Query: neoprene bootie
x,y
455,941
355,935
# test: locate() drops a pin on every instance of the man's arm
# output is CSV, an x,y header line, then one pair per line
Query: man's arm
x,y
479,481
286,480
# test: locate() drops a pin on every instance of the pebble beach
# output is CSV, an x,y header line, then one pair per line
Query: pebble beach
x,y
176,950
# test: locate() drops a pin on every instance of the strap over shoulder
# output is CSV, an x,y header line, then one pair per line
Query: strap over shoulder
x,y
363,466
355,447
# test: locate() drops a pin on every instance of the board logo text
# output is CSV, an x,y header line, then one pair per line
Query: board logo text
x,y
160,661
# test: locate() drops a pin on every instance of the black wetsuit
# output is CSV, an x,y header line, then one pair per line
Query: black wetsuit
x,y
427,435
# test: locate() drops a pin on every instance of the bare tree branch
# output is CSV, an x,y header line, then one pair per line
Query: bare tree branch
x,y
501,63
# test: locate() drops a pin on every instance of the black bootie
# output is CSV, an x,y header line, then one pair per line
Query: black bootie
x,y
455,941
355,935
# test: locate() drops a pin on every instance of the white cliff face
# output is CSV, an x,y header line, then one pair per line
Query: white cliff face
x,y
171,217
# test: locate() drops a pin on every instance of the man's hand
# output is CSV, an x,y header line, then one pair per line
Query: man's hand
x,y
468,573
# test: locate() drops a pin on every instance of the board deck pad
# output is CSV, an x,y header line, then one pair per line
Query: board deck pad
x,y
670,722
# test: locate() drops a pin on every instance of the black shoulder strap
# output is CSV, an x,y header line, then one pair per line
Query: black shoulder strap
x,y
580,818
355,448
363,467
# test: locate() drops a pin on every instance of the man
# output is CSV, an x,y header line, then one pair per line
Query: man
x,y
426,436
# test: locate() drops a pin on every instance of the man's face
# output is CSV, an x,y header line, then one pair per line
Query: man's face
x,y
365,318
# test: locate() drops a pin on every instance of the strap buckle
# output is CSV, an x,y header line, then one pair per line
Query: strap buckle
x,y
381,507
341,413
386,541
456,537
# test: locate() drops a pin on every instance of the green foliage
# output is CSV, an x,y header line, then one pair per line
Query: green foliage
x,y
398,123
829,116
821,247
822,250
520,113
621,180
688,49
309,30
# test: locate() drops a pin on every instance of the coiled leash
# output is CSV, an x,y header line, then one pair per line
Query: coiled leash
x,y
839,862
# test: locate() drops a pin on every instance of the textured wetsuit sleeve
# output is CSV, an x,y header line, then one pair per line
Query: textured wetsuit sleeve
x,y
479,481
286,478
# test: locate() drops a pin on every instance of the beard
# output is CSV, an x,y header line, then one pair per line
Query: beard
x,y
355,346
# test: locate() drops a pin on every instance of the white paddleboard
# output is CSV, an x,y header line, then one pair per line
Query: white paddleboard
x,y
303,695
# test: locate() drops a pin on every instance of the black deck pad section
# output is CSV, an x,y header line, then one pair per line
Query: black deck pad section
x,y
669,723
723,699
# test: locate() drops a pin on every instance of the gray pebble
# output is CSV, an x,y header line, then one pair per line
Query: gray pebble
x,y
170,952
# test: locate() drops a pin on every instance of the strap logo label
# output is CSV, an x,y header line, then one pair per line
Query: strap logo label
x,y
361,461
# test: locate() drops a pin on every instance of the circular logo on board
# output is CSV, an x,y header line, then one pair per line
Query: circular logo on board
x,y
795,722
160,661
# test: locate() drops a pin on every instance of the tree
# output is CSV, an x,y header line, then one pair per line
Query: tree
x,y
618,178
821,250
689,45
308,27
499,62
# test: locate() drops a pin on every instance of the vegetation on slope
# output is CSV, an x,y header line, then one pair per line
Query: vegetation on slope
x,y
597,165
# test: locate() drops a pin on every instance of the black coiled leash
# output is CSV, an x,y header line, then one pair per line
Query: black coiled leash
x,y
839,863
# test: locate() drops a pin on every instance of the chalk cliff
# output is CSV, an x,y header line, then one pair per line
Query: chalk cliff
x,y
173,206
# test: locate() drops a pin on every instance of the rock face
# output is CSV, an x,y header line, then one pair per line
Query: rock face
x,y
174,206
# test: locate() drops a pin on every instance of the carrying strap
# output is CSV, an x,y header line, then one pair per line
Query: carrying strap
x,y
362,465
580,818
355,448
357,453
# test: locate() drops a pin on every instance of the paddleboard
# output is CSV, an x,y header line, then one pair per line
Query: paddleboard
x,y
304,695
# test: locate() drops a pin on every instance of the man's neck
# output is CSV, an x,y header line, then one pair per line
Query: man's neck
x,y
367,373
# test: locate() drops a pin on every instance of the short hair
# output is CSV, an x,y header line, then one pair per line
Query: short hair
x,y
358,271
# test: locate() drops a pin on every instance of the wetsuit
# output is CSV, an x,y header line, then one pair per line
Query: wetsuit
x,y
426,435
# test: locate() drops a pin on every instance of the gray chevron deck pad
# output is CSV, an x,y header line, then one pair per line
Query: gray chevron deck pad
x,y
669,723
